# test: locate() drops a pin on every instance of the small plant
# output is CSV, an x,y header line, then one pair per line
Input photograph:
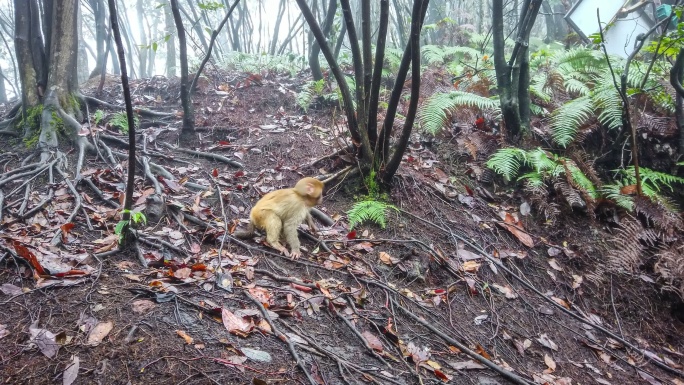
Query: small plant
x,y
310,92
369,210
120,120
136,217
98,116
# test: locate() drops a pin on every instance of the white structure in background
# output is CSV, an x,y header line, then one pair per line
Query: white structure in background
x,y
625,21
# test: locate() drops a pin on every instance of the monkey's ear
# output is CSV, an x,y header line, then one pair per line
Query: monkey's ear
x,y
310,188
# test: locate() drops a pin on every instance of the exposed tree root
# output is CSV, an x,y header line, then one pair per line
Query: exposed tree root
x,y
206,155
142,111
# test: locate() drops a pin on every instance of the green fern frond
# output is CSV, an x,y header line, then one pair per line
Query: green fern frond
x,y
567,119
536,110
120,120
369,210
434,113
538,87
433,54
507,161
607,100
541,162
582,181
612,192
653,179
576,86
534,179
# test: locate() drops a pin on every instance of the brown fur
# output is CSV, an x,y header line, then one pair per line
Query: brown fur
x,y
280,212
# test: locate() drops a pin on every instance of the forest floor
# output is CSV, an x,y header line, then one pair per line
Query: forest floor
x,y
383,306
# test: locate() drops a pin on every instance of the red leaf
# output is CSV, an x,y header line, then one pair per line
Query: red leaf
x,y
224,143
469,191
28,255
239,174
351,234
214,173
305,289
480,123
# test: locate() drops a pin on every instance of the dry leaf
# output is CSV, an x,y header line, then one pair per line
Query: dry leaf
x,y
550,363
236,325
99,332
463,365
546,341
506,290
142,306
71,372
373,341
188,340
470,266
554,264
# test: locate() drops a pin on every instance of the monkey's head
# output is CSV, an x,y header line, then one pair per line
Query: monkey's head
x,y
311,189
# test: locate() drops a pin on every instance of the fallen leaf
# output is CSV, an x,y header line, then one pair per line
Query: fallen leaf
x,y
464,365
554,264
142,306
71,372
506,290
44,340
546,341
3,331
373,341
514,228
550,363
99,332
11,290
256,355
188,340
236,325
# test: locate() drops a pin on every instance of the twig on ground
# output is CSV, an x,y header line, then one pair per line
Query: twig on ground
x,y
300,362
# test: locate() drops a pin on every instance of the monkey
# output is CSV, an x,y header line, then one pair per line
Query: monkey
x,y
281,211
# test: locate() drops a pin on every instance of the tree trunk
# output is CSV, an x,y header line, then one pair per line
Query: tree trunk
x,y
314,64
100,16
142,64
188,113
276,30
30,95
550,23
3,91
170,44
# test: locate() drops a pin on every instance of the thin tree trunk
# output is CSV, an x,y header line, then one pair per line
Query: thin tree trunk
x,y
188,113
143,39
314,64
279,19
170,44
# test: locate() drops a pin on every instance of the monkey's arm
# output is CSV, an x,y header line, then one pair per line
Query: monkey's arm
x,y
310,223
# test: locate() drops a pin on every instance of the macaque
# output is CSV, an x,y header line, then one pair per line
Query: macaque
x,y
280,212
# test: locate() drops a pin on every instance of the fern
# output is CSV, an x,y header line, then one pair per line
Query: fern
x,y
614,193
309,93
507,161
369,210
434,113
582,181
567,119
120,120
653,180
